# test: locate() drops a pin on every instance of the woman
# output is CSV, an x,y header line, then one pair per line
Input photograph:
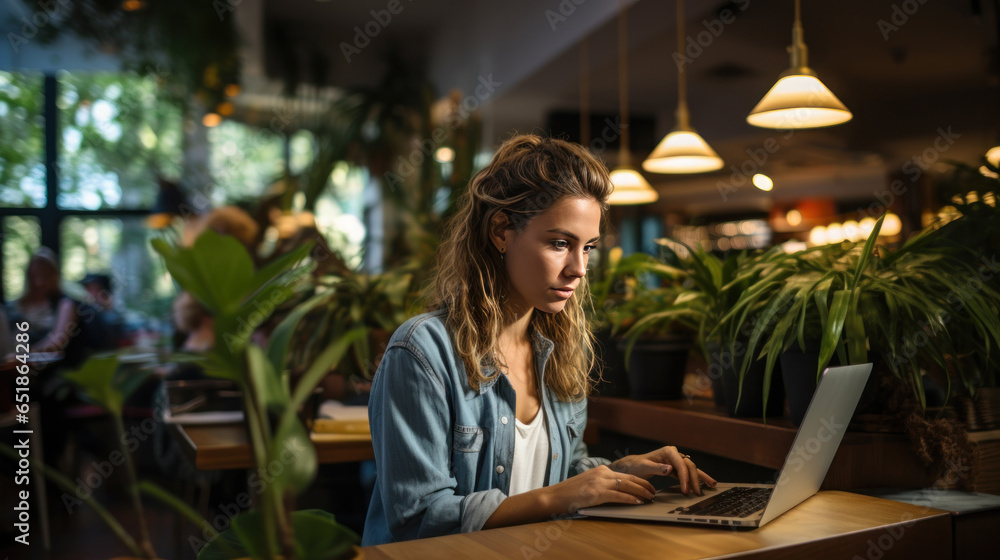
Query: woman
x,y
478,408
51,316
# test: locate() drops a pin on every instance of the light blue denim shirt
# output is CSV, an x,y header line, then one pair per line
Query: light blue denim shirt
x,y
443,451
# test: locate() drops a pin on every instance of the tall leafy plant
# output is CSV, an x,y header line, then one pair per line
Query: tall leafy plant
x,y
219,273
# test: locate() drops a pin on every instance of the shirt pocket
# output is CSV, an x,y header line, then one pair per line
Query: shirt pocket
x,y
468,439
574,427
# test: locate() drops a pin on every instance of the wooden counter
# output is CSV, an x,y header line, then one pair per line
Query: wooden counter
x,y
833,525
224,446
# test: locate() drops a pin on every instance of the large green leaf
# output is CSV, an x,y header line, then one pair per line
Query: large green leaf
x,y
835,327
97,379
217,270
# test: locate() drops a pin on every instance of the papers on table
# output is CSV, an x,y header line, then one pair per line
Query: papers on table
x,y
337,418
209,417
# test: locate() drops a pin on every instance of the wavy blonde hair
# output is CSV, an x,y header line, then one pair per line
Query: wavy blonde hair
x,y
526,177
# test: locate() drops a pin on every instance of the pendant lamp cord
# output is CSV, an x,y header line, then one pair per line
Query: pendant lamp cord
x,y
584,94
798,49
683,122
623,146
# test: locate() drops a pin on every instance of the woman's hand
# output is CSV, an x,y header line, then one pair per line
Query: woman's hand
x,y
665,461
599,485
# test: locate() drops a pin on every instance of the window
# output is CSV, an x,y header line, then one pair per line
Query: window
x,y
244,161
21,236
119,247
117,135
22,150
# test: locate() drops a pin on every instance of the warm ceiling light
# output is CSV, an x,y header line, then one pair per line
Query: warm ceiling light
x,y
211,119
793,217
630,188
892,225
798,99
133,5
232,90
993,156
834,233
225,109
852,230
818,235
866,225
682,151
444,154
763,182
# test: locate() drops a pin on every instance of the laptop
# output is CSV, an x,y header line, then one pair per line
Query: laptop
x,y
753,505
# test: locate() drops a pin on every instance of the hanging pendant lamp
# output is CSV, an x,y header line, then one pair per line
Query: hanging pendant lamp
x,y
683,150
798,99
630,187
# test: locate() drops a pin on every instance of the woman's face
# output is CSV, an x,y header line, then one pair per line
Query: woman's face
x,y
548,258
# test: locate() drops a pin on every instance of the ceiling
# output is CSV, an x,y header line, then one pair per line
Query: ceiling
x,y
913,72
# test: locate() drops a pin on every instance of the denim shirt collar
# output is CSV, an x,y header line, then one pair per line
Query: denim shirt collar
x,y
541,347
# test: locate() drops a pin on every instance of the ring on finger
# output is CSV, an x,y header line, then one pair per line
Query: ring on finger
x,y
683,456
618,484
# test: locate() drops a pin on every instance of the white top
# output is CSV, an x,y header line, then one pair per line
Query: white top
x,y
531,454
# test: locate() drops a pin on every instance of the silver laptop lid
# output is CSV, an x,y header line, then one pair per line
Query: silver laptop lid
x,y
818,438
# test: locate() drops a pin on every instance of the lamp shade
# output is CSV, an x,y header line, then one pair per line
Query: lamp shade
x,y
799,100
682,151
630,188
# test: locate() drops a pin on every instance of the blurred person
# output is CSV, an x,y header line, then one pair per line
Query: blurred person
x,y
101,325
50,314
479,406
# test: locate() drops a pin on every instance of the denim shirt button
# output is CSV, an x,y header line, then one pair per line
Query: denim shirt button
x,y
555,457
499,469
503,420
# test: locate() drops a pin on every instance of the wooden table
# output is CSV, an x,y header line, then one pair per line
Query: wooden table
x,y
864,460
831,524
224,446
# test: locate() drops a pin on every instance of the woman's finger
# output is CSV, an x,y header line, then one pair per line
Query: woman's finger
x,y
695,481
707,479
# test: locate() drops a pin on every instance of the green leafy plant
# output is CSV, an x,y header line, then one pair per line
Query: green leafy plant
x,y
710,287
855,298
219,272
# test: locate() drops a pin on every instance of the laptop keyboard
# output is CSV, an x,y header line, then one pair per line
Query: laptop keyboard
x,y
735,502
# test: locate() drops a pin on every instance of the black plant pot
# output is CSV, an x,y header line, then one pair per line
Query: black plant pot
x,y
656,368
800,379
751,402
613,381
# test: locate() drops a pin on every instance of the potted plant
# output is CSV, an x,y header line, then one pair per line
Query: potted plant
x,y
218,272
711,287
894,307
621,294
